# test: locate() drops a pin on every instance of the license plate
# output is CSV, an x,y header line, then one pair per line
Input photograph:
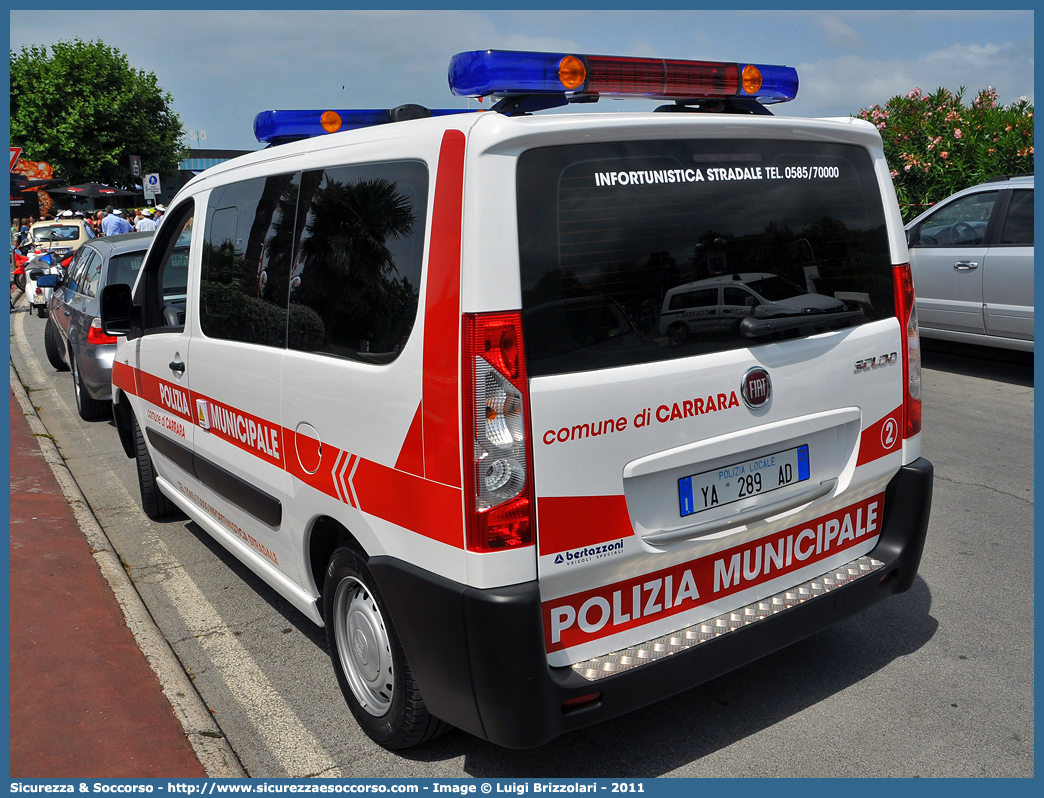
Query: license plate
x,y
752,477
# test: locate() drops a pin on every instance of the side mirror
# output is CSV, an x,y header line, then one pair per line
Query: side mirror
x,y
911,236
44,280
117,311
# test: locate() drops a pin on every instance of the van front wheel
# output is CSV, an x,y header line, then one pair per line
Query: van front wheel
x,y
156,506
368,659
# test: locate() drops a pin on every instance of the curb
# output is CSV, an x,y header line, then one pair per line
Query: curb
x,y
202,731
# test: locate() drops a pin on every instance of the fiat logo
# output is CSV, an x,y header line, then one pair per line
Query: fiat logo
x,y
756,388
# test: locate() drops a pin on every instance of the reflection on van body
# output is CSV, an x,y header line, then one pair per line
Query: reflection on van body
x,y
717,305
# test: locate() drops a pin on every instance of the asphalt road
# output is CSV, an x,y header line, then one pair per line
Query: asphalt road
x,y
937,682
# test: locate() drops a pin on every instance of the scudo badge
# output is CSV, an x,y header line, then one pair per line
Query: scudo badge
x,y
756,388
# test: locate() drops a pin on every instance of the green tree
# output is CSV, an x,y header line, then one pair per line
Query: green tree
x,y
85,110
936,145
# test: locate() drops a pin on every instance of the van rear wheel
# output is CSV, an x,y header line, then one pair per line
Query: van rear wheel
x,y
368,658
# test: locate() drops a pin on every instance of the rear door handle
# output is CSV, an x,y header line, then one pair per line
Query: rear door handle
x,y
177,365
966,265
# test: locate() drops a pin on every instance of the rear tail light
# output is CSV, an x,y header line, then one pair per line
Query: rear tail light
x,y
96,337
496,421
906,311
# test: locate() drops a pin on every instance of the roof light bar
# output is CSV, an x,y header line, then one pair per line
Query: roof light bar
x,y
583,77
278,127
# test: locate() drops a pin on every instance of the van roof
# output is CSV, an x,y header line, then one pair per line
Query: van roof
x,y
498,128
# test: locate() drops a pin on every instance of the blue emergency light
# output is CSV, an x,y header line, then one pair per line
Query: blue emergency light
x,y
278,127
563,77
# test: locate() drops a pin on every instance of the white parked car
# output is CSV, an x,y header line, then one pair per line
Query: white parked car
x,y
972,260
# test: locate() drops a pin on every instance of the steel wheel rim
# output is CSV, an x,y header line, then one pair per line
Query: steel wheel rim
x,y
363,646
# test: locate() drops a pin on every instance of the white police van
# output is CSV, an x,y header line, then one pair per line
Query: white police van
x,y
419,386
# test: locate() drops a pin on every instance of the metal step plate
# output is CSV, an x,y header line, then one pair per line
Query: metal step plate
x,y
635,656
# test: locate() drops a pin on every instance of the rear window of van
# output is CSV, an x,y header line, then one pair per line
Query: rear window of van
x,y
639,251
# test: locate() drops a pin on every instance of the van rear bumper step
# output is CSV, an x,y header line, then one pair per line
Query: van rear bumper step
x,y
659,647
478,655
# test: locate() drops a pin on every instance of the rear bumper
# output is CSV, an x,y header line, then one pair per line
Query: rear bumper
x,y
95,364
478,655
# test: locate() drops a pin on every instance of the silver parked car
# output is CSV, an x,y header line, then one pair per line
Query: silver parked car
x,y
73,338
972,260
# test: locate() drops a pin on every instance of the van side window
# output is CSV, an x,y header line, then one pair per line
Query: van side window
x,y
246,259
164,283
695,299
355,281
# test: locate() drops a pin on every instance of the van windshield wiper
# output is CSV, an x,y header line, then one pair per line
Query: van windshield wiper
x,y
753,327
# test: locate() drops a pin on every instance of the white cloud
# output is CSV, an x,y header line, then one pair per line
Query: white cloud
x,y
842,86
838,33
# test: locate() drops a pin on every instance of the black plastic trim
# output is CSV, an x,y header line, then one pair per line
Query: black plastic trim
x,y
478,655
255,501
265,508
180,455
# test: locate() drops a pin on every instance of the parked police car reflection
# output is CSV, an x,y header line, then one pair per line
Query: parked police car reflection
x,y
718,304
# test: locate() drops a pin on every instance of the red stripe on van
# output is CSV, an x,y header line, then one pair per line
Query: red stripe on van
x,y
323,478
571,522
123,377
243,430
411,455
441,391
420,505
165,395
645,598
881,438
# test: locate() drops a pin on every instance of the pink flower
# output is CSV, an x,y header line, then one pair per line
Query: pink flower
x,y
957,133
944,155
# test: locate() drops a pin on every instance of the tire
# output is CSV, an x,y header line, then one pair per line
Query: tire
x,y
368,659
19,280
52,347
88,408
155,504
677,334
41,311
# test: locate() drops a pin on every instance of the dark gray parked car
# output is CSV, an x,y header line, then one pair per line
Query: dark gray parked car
x,y
73,338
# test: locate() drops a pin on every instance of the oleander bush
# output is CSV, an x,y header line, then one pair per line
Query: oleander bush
x,y
935,144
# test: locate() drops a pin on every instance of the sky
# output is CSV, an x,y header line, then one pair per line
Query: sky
x,y
223,67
